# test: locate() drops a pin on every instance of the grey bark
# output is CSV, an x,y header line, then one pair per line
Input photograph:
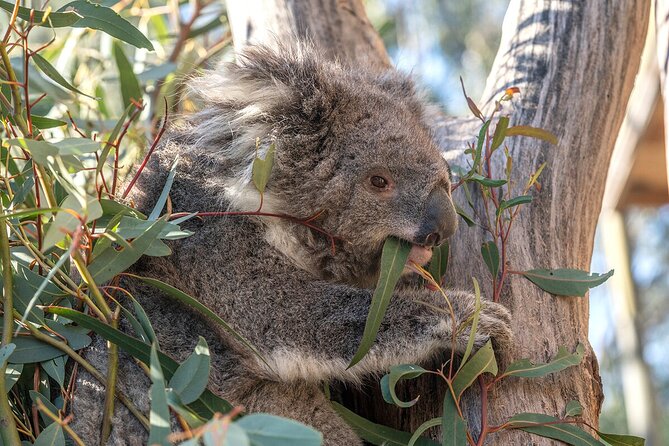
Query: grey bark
x,y
575,64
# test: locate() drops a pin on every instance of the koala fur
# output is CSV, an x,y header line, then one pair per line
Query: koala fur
x,y
276,281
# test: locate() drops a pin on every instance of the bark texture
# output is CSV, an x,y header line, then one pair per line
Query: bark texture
x,y
575,64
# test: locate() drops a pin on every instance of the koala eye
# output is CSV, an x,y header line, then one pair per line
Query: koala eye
x,y
379,182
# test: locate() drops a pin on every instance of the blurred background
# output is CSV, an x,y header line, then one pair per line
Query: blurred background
x,y
437,41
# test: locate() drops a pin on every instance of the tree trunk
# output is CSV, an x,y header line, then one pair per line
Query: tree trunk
x,y
662,33
574,63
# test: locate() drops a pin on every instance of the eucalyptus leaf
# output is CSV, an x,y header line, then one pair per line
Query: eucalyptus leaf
x,y
566,281
397,373
54,19
377,434
534,132
573,409
106,20
159,417
191,377
54,75
563,359
131,91
490,255
262,169
393,258
270,430
453,427
482,361
549,427
439,262
52,435
500,133
621,440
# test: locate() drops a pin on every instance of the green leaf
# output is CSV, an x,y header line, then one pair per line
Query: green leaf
x,y
35,396
573,409
439,262
463,214
490,255
453,427
535,423
500,133
162,199
65,222
77,146
29,350
12,375
422,428
159,417
526,130
479,146
270,430
54,20
110,262
179,407
130,89
566,281
377,434
106,20
43,123
54,75
111,139
485,181
131,227
207,404
393,258
192,376
202,309
55,368
475,324
262,168
621,440
482,361
506,204
219,433
563,359
52,435
397,373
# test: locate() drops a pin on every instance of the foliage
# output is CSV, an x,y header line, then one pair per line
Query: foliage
x,y
68,232
499,208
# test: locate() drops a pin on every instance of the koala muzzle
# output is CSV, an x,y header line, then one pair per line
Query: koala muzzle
x,y
439,221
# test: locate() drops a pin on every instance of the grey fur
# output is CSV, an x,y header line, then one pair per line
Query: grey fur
x,y
275,281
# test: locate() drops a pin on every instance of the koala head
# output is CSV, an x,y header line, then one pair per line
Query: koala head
x,y
351,147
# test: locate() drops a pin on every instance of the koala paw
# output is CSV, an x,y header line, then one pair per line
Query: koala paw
x,y
495,324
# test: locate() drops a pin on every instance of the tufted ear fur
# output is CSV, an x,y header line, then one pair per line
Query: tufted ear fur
x,y
265,94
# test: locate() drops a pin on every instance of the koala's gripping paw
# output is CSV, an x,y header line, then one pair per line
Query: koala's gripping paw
x,y
495,324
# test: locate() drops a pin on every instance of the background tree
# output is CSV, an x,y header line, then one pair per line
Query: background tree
x,y
574,63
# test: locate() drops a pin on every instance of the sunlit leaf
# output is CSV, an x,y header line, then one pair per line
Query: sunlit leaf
x,y
106,20
500,133
43,123
566,281
526,130
162,199
159,417
55,19
262,169
270,430
472,105
54,75
130,89
393,258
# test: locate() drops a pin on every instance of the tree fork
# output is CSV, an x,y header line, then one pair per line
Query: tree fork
x,y
575,64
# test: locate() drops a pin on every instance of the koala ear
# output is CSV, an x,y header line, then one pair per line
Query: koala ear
x,y
269,84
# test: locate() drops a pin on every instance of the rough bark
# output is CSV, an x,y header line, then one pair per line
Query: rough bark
x,y
574,63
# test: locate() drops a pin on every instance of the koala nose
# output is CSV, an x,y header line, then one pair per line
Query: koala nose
x,y
439,220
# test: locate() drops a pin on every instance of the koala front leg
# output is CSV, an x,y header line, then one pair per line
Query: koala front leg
x,y
314,335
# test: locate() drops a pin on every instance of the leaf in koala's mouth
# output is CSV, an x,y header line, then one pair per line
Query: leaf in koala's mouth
x,y
393,258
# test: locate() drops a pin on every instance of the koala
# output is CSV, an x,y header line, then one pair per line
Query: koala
x,y
354,157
